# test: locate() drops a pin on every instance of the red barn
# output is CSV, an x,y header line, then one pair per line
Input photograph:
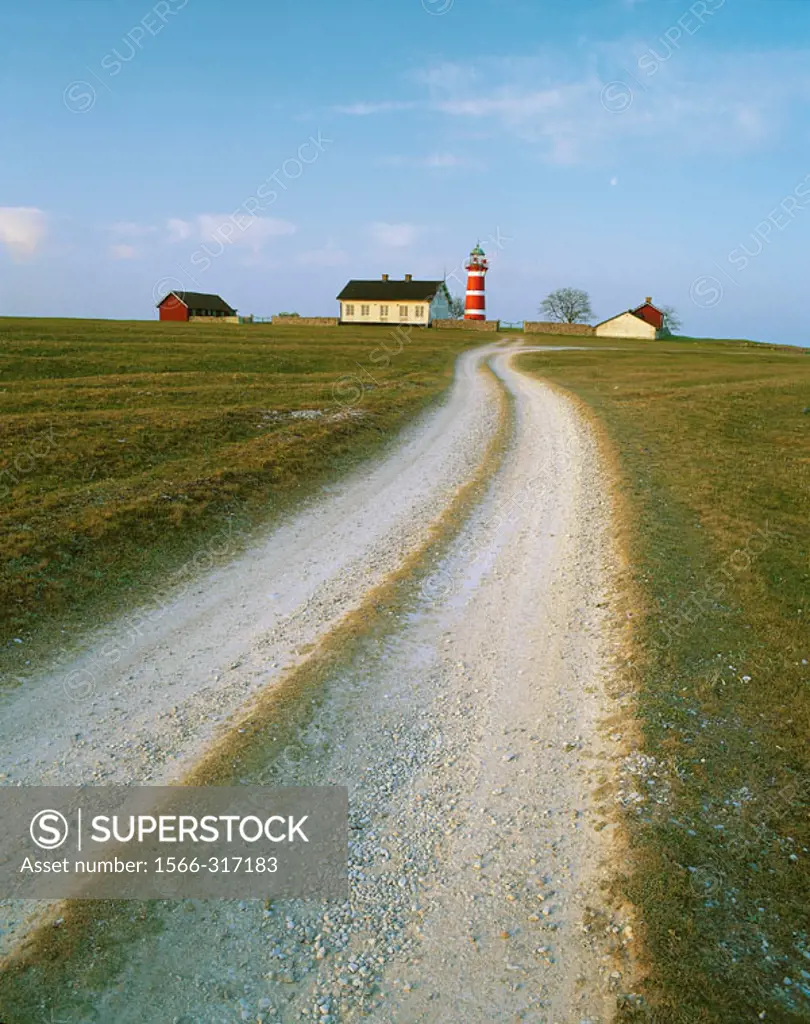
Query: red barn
x,y
194,306
652,314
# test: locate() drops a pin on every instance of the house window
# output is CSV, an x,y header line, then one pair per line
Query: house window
x,y
419,312
365,310
383,310
349,309
403,312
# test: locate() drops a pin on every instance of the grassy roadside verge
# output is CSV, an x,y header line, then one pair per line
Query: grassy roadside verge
x,y
132,451
711,444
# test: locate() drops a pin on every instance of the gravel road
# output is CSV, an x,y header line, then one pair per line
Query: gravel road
x,y
470,736
146,696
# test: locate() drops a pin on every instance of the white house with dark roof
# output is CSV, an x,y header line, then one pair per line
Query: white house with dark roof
x,y
385,301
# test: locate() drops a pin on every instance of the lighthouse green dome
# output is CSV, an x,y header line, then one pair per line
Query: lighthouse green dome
x,y
478,251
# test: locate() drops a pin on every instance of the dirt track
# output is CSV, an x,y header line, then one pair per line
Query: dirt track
x,y
468,736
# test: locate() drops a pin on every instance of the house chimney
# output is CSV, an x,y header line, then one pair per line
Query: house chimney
x,y
409,277
649,299
385,277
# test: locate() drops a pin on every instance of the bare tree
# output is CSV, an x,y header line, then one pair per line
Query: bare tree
x,y
456,307
568,306
672,322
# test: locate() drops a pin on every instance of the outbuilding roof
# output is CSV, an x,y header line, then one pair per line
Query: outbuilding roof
x,y
646,304
391,291
201,300
624,312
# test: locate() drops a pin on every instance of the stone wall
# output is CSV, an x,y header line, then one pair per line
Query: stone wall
x,y
213,319
548,327
468,325
305,321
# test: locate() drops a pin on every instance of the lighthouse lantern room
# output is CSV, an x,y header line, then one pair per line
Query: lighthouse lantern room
x,y
477,266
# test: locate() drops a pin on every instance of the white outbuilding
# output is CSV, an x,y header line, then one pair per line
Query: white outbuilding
x,y
625,325
645,322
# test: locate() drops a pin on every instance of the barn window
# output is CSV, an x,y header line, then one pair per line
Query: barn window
x,y
420,311
349,309
383,310
365,310
403,312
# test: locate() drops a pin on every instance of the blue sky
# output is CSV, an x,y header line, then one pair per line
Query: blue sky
x,y
270,151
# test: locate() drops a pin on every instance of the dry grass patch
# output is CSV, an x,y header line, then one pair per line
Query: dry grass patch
x,y
127,446
712,445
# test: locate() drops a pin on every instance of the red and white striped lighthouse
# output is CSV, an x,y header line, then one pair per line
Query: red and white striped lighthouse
x,y
475,307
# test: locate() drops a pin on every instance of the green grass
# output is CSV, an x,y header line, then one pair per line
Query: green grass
x,y
712,461
130,451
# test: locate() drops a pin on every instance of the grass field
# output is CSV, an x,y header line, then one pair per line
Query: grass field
x,y
135,454
711,447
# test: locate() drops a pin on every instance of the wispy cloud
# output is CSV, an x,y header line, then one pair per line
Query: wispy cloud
x,y
22,230
328,255
511,105
225,228
395,236
380,107
131,229
123,252
435,161
675,98
179,230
